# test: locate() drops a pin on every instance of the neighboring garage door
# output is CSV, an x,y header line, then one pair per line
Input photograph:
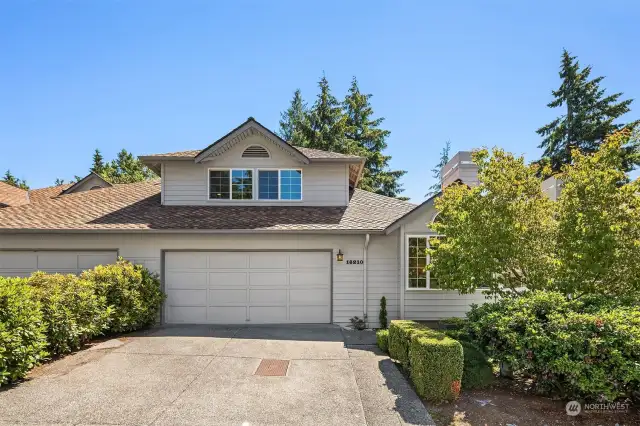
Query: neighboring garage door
x,y
248,287
23,263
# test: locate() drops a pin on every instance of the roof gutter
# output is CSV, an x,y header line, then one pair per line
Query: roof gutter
x,y
191,231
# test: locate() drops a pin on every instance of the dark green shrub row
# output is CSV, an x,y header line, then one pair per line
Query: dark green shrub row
x,y
434,360
382,338
53,314
587,348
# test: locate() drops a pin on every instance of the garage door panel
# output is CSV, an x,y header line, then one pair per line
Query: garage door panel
x,y
53,260
270,279
319,296
188,297
187,314
309,314
227,297
269,260
18,260
186,280
90,261
268,314
270,296
23,263
228,260
187,260
250,288
227,314
227,279
309,259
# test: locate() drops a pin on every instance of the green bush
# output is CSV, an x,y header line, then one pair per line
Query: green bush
x,y
72,312
382,338
132,291
572,348
400,332
436,365
22,338
383,313
478,371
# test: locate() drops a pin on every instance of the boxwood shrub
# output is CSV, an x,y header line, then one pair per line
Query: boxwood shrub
x,y
382,338
131,290
22,337
436,365
400,332
583,348
72,312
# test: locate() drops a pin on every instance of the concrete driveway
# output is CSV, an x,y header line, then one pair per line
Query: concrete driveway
x,y
206,375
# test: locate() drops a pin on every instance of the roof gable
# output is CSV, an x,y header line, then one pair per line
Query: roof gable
x,y
89,182
249,128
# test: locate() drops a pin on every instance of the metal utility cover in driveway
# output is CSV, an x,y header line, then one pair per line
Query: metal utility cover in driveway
x,y
272,367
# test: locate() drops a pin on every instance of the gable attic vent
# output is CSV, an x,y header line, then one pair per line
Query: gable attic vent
x,y
255,151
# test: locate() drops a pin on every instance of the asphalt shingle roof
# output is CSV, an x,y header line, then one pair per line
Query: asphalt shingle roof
x,y
308,152
137,206
12,196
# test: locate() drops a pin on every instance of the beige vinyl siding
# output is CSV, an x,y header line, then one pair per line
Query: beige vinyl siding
x,y
186,183
146,249
382,277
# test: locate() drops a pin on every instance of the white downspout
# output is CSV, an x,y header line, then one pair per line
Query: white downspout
x,y
402,250
364,283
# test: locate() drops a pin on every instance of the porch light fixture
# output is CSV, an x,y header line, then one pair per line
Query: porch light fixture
x,y
340,256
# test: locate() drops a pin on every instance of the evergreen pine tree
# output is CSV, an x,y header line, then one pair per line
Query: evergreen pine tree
x,y
369,140
437,170
126,169
10,179
589,117
58,182
292,119
325,127
98,162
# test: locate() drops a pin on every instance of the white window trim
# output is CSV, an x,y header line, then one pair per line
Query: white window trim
x,y
406,263
230,170
255,183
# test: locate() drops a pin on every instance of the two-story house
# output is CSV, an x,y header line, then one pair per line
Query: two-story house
x,y
248,230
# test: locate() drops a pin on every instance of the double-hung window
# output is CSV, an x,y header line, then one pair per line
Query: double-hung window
x,y
284,184
234,184
417,260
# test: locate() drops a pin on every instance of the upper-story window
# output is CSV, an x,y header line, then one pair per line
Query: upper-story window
x,y
284,184
239,184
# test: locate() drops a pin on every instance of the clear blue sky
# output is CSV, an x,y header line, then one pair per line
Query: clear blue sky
x,y
157,76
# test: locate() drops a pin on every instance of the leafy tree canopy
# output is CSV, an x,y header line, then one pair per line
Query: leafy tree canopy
x,y
589,117
125,168
10,179
505,235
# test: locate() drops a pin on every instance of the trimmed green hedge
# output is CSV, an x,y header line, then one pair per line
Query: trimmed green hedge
x,y
72,312
478,371
132,291
436,365
22,337
382,338
400,332
62,312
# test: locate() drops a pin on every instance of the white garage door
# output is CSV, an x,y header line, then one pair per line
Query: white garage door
x,y
23,263
248,287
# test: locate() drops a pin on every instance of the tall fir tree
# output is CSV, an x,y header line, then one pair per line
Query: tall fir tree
x,y
437,170
369,140
98,162
10,179
126,168
292,120
325,126
589,117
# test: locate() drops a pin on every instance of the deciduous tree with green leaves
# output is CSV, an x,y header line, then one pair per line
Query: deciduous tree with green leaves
x,y
499,234
370,141
125,168
598,240
10,179
589,117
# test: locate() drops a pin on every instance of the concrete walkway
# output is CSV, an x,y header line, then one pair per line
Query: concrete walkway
x,y
205,375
